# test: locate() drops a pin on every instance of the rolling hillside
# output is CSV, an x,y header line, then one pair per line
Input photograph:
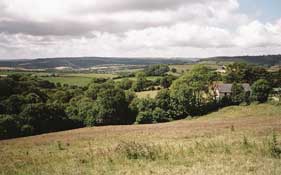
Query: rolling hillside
x,y
234,140
86,62
269,60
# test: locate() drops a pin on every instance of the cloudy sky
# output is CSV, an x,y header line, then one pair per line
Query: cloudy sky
x,y
139,28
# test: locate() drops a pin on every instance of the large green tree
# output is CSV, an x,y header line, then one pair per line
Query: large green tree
x,y
125,84
237,93
45,118
157,70
141,83
166,81
95,88
245,73
112,107
196,83
261,90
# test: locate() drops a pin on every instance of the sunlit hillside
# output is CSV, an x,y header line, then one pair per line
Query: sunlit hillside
x,y
234,140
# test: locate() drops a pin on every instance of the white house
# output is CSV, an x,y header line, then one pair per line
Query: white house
x,y
222,90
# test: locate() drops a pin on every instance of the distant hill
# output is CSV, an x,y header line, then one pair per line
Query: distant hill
x,y
86,62
268,60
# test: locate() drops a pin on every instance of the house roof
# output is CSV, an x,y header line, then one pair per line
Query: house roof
x,y
226,88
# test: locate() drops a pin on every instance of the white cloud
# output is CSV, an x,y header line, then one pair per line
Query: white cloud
x,y
37,28
256,34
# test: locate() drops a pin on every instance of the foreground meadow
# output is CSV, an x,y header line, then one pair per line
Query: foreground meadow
x,y
234,140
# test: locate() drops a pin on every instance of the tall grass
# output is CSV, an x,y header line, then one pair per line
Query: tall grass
x,y
248,143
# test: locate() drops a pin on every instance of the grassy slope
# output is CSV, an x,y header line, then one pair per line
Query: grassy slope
x,y
79,79
235,140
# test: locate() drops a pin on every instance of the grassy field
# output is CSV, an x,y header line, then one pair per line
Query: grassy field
x,y
90,75
182,67
152,78
79,79
146,94
84,79
11,72
235,140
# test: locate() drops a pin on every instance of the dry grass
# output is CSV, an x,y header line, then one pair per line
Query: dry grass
x,y
147,94
235,140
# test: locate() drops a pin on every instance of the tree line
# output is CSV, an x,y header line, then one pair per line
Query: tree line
x,y
29,105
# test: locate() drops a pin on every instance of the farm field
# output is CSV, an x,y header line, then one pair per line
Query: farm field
x,y
152,78
234,140
84,79
4,72
182,67
79,79
90,75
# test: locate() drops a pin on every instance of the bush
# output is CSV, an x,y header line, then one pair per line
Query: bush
x,y
133,150
141,83
274,148
125,84
27,130
157,70
144,117
174,70
275,103
166,81
33,98
9,127
163,99
46,84
159,115
14,104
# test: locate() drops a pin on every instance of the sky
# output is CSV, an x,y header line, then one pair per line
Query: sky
x,y
134,28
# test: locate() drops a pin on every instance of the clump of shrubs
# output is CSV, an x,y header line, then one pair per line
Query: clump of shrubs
x,y
134,150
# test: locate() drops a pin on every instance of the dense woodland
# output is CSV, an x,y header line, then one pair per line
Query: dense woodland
x,y
29,105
